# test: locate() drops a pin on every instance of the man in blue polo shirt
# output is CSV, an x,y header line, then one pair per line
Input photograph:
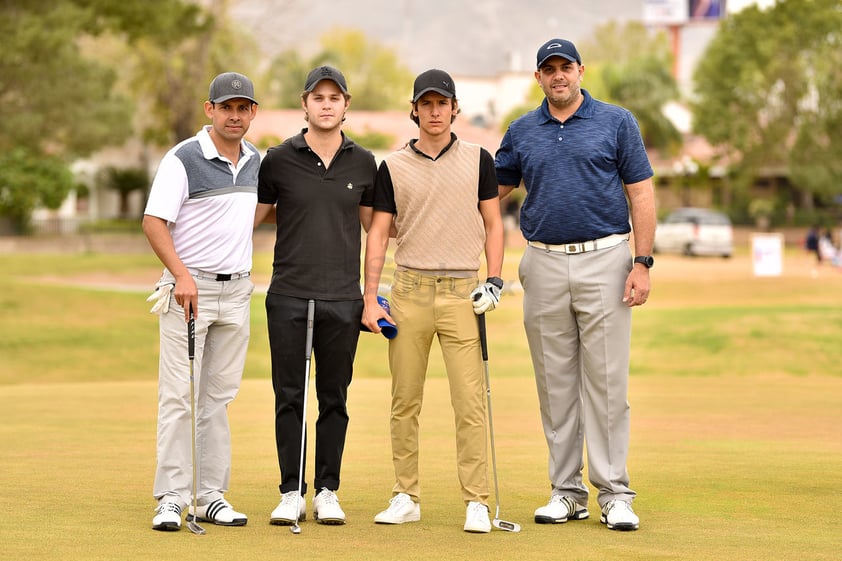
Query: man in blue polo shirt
x,y
585,171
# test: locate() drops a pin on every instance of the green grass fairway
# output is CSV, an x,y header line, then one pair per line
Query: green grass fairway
x,y
736,397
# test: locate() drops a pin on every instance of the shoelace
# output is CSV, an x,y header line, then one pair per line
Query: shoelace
x,y
328,497
399,501
613,504
290,498
477,509
567,501
168,507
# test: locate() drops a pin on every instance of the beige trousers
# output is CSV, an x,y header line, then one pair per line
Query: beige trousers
x,y
424,306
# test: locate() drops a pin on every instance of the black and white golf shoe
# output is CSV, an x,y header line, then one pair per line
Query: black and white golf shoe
x,y
167,517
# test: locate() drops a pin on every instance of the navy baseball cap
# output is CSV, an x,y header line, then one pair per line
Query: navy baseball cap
x,y
558,47
231,85
325,73
433,80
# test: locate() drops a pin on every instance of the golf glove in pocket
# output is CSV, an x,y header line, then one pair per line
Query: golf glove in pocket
x,y
485,298
161,297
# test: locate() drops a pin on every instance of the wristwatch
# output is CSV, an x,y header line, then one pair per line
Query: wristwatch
x,y
496,281
645,260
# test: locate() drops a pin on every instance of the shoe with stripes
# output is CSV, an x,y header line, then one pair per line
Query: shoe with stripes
x,y
618,515
559,510
218,512
167,517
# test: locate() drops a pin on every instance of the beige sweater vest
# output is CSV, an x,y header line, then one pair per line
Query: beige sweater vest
x,y
439,226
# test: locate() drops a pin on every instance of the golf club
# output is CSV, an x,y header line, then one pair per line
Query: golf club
x,y
497,522
308,349
192,525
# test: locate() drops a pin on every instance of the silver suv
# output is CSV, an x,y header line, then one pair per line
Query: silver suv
x,y
695,231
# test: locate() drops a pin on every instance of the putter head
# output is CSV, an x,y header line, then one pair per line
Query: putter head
x,y
505,525
195,528
295,528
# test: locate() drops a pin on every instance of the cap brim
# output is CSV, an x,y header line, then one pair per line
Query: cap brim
x,y
548,57
238,96
445,93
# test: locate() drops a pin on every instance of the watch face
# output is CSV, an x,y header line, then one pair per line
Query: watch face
x,y
647,260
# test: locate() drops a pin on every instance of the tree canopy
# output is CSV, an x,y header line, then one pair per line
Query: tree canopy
x,y
377,80
769,92
58,101
629,66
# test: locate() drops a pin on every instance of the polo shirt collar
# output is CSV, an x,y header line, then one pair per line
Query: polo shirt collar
x,y
209,150
585,111
299,143
440,154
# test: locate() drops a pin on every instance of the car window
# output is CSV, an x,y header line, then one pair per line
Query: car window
x,y
715,219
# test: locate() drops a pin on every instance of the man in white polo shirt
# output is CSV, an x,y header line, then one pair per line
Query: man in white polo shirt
x,y
198,220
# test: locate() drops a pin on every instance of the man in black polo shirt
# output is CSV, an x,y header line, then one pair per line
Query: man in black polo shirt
x,y
319,184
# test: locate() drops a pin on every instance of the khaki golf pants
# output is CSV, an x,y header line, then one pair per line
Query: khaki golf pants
x,y
424,306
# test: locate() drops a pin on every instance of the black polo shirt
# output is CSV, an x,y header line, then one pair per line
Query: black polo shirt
x,y
317,249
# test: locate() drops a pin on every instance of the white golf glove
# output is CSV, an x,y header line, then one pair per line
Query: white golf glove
x,y
486,296
161,297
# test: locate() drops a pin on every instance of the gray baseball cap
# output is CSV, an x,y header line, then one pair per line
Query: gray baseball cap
x,y
231,85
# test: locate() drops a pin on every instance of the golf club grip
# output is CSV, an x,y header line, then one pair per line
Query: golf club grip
x,y
311,309
483,340
191,334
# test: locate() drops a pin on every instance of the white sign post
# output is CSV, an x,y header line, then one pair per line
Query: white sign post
x,y
767,254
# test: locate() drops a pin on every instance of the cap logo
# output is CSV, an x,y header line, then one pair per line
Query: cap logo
x,y
326,71
554,46
236,84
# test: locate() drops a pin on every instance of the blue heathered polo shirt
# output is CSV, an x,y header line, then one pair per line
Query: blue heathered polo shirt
x,y
573,171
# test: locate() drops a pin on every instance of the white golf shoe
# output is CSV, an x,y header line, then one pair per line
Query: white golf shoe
x,y
284,513
326,509
476,518
401,509
167,517
559,510
219,512
618,515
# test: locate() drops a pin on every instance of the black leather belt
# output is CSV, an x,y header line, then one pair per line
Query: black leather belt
x,y
220,277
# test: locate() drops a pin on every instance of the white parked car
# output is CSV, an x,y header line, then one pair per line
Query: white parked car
x,y
695,231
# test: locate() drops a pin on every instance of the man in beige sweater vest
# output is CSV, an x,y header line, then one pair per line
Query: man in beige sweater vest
x,y
441,196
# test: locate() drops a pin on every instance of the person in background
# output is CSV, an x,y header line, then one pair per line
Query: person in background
x,y
317,186
585,172
441,195
811,243
198,220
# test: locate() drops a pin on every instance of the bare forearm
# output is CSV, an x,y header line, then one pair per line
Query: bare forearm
x,y
643,216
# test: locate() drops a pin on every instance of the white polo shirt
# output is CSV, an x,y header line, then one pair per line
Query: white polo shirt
x,y
208,203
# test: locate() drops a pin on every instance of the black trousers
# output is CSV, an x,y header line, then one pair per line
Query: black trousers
x,y
336,330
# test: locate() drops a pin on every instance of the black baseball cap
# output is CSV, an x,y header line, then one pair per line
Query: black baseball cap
x,y
558,47
433,80
325,73
231,85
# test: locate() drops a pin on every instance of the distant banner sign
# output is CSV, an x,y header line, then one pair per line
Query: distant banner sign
x,y
707,9
679,12
767,252
665,12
